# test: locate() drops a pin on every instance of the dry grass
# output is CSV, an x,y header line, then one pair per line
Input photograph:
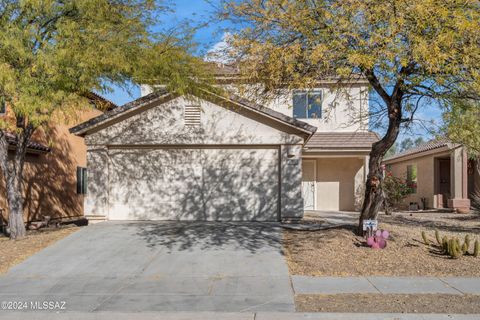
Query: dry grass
x,y
389,303
13,252
339,252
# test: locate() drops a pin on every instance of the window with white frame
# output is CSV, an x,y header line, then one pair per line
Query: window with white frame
x,y
307,104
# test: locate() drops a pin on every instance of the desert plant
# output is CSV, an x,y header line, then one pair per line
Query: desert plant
x,y
437,236
453,246
456,250
464,248
445,244
425,239
476,200
467,240
395,190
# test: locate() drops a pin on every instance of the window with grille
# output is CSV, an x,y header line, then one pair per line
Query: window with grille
x,y
192,116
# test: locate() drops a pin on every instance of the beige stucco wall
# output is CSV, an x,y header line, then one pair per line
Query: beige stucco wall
x,y
339,183
164,124
425,178
161,126
344,108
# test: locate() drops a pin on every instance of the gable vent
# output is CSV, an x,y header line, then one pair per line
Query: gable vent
x,y
192,115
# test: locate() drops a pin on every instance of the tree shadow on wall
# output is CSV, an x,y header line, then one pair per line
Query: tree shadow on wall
x,y
50,181
195,184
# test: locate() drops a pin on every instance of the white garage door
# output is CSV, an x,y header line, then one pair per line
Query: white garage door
x,y
219,184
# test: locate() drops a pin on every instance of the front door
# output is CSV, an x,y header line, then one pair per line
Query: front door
x,y
443,182
308,184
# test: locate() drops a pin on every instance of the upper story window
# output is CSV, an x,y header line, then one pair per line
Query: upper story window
x,y
307,104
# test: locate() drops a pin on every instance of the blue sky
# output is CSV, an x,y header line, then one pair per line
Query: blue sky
x,y
197,12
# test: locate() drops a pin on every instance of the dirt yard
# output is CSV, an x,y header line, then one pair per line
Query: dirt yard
x,y
339,252
13,252
389,303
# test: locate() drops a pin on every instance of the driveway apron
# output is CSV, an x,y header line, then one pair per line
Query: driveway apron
x,y
159,266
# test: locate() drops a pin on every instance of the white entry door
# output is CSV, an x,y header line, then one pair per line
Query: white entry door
x,y
308,184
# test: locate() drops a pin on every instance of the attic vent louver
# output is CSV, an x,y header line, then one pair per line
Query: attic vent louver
x,y
192,115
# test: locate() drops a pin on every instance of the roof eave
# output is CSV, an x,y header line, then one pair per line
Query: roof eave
x,y
31,150
83,128
441,149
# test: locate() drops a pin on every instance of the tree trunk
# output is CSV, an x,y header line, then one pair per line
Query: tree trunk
x,y
13,174
373,190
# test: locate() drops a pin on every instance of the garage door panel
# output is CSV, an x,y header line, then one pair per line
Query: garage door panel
x,y
194,184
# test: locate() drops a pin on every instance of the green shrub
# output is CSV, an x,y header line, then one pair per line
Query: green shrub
x,y
395,190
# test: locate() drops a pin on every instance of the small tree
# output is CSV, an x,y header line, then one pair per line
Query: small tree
x,y
53,52
410,51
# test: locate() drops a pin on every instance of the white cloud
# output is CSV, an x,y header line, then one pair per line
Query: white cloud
x,y
220,50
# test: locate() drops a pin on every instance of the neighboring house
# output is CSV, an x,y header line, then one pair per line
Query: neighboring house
x,y
212,157
439,174
54,174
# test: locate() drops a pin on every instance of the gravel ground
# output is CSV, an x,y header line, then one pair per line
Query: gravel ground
x,y
339,252
13,252
390,303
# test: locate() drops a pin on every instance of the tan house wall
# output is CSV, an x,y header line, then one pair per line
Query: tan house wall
x,y
50,179
425,178
338,183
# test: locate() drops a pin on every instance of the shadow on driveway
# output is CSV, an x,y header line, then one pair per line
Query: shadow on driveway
x,y
181,236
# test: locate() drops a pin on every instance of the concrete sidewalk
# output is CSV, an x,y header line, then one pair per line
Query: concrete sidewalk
x,y
385,285
232,316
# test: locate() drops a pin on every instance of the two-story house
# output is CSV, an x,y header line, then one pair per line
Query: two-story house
x,y
223,157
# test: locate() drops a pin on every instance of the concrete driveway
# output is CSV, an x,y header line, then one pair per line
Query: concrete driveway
x,y
159,266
